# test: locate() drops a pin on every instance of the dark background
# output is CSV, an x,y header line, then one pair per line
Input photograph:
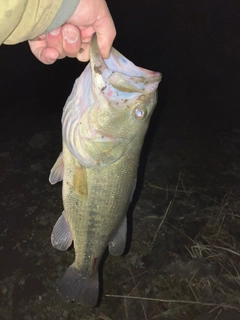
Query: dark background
x,y
195,44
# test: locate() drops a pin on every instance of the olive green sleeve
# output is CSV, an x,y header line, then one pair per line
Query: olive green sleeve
x,y
22,20
64,13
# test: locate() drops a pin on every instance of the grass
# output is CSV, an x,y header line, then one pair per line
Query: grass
x,y
203,276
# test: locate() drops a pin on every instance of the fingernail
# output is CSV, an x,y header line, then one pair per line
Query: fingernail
x,y
81,50
70,35
51,60
55,32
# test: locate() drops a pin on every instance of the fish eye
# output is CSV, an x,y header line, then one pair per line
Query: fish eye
x,y
140,113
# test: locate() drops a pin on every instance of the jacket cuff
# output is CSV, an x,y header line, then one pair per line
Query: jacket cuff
x,y
64,13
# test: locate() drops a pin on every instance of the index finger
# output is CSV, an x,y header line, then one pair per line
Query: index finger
x,y
106,33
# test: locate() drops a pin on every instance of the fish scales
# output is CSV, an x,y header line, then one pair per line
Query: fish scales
x,y
104,123
109,192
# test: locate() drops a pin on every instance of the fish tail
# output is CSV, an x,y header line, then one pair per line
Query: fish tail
x,y
73,287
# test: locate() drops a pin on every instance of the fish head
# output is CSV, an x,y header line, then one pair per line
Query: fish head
x,y
115,108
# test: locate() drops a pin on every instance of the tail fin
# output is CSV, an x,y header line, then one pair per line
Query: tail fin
x,y
73,287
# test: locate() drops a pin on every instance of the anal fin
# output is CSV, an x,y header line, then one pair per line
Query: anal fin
x,y
73,287
117,245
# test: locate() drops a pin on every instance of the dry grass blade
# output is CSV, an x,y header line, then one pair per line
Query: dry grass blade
x,y
138,275
167,211
232,215
219,312
206,304
186,191
177,186
130,271
193,276
209,248
126,309
161,223
193,292
179,190
219,230
103,316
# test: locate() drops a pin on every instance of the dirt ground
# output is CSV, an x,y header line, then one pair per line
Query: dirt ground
x,y
182,260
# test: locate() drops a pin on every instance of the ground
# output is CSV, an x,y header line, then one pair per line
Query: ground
x,y
183,255
183,259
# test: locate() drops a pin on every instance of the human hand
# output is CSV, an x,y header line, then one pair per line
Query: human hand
x,y
73,39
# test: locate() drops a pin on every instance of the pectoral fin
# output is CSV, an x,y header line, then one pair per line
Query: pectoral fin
x,y
56,173
61,237
117,245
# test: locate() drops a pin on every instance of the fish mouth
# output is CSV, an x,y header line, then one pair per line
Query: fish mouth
x,y
120,73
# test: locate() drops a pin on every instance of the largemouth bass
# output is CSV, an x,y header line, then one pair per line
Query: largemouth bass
x,y
103,126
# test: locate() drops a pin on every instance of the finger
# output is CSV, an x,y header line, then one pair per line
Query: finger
x,y
84,53
86,37
104,44
54,39
42,53
71,40
105,41
106,32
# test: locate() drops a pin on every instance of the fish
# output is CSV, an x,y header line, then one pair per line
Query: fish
x,y
104,123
